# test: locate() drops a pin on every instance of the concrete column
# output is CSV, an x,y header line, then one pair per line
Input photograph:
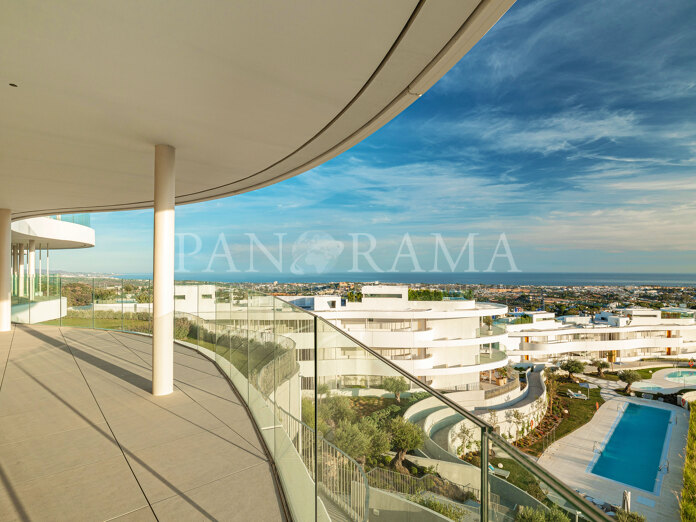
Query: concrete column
x,y
13,267
163,273
21,270
31,264
40,270
48,274
15,260
5,272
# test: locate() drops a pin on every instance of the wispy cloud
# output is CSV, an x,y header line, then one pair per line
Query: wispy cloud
x,y
569,127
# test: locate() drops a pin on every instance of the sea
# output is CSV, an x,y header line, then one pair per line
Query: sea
x,y
466,278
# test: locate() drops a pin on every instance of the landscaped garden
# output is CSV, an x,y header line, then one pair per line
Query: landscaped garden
x,y
687,502
564,414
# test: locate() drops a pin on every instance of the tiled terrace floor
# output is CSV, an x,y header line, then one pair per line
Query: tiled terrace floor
x,y
82,438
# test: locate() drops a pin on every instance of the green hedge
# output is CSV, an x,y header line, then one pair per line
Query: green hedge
x,y
688,500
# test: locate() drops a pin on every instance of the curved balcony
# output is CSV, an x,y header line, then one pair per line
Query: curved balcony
x,y
425,338
54,234
319,475
587,345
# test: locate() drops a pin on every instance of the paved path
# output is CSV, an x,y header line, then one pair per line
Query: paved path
x,y
82,438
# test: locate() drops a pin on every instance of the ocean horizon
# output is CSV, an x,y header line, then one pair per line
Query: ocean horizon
x,y
467,278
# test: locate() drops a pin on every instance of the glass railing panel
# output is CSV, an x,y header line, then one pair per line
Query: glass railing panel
x,y
385,443
78,294
46,307
136,305
517,491
187,320
108,306
262,352
78,219
198,299
293,385
221,298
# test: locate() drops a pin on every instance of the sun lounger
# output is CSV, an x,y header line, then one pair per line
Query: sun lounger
x,y
503,473
576,395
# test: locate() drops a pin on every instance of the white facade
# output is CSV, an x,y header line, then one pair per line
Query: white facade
x,y
446,344
34,295
619,335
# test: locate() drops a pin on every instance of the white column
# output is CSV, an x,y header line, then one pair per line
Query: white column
x,y
40,270
5,271
16,268
21,270
31,264
163,273
48,274
13,265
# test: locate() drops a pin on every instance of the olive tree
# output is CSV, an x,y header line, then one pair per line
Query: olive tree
x,y
601,365
396,385
573,366
629,377
405,436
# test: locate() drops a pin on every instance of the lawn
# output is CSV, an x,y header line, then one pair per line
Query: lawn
x,y
580,412
519,476
606,376
647,373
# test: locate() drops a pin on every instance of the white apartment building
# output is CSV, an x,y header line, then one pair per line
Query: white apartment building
x,y
626,334
446,344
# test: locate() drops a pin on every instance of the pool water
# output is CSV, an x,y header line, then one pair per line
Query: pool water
x,y
682,376
634,452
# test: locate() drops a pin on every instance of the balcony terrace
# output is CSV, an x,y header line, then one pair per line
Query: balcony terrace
x,y
82,437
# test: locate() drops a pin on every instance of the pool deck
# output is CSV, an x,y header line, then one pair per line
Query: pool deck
x,y
662,384
570,457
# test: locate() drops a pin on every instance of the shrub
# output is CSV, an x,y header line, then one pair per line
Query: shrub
x,y
631,516
688,495
182,326
529,514
450,511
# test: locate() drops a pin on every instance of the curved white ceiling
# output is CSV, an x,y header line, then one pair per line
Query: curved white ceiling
x,y
248,92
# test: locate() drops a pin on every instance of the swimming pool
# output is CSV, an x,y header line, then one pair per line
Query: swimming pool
x,y
682,376
636,448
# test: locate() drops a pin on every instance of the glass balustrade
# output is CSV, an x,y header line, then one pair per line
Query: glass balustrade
x,y
352,436
78,219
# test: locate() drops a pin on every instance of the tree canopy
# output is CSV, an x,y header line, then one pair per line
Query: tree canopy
x,y
629,377
396,385
573,366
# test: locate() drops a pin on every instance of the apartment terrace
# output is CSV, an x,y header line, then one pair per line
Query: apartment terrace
x,y
83,438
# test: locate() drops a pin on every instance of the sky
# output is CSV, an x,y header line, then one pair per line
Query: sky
x,y
564,141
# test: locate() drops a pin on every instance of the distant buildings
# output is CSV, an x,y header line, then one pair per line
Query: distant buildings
x,y
451,345
625,334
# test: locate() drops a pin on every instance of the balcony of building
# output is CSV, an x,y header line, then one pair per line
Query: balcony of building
x,y
83,438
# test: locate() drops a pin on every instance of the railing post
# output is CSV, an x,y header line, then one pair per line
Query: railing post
x,y
316,421
60,298
484,475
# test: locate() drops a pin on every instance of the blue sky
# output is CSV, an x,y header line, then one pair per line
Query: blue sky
x,y
570,127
